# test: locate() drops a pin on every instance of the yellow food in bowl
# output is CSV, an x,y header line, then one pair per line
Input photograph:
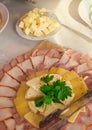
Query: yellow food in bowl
x,y
38,23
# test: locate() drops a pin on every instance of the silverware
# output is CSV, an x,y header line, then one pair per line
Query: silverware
x,y
85,99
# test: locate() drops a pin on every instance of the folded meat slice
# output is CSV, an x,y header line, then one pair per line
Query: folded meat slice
x,y
64,59
7,92
71,63
25,65
42,52
6,102
9,81
15,72
20,127
20,58
53,53
7,67
81,68
10,124
5,113
48,62
1,74
75,126
37,60
2,126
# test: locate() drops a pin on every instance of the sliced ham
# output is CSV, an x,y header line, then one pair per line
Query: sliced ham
x,y
20,127
15,72
64,59
71,63
34,53
37,60
9,81
5,113
7,92
88,81
25,65
75,126
42,52
2,126
81,68
13,62
84,58
20,58
1,74
53,53
76,56
48,62
7,67
89,127
6,102
10,124
27,55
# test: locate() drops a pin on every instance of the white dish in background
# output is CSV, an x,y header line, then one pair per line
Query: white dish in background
x,y
84,11
31,37
4,15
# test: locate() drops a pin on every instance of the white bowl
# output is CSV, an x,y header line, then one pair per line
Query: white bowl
x,y
84,11
31,37
4,15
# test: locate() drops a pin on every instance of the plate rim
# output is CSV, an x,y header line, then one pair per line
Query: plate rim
x,y
7,17
80,14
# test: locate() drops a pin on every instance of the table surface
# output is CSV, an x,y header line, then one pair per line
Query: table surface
x,y
12,44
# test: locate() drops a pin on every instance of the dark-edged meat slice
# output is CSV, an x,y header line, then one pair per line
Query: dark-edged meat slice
x,y
7,92
37,60
10,124
5,113
15,72
6,102
48,62
9,81
25,65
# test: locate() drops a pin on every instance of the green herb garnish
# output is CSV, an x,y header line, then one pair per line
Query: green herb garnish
x,y
53,92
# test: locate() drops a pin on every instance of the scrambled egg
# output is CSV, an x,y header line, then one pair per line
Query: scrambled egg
x,y
36,23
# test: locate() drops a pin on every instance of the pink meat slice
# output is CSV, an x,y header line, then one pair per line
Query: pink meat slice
x,y
20,58
81,68
25,65
89,127
1,74
42,52
71,63
34,53
13,62
20,127
53,53
6,102
7,67
2,126
64,59
37,60
27,55
7,92
75,126
9,81
48,62
10,124
15,72
5,113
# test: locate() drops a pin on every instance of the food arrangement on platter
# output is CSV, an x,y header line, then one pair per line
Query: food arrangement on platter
x,y
38,23
44,79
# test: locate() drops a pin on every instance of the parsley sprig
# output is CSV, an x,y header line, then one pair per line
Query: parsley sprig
x,y
53,92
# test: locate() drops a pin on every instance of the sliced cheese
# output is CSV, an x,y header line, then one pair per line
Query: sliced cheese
x,y
61,71
33,118
35,109
31,93
70,75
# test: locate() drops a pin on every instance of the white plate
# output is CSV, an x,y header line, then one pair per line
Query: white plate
x,y
4,14
31,37
84,8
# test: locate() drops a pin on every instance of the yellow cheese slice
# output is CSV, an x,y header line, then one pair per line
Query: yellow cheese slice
x,y
33,118
75,115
